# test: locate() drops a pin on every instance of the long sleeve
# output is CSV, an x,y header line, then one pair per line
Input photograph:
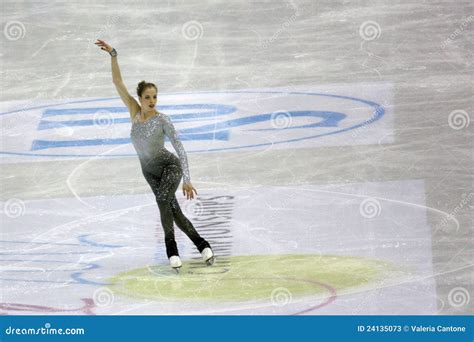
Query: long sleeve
x,y
172,134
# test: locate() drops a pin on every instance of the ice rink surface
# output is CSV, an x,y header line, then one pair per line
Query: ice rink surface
x,y
330,143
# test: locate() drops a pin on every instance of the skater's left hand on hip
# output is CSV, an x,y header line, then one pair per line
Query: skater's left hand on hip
x,y
188,190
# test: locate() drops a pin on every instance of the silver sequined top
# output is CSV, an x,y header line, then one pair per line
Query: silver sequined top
x,y
148,139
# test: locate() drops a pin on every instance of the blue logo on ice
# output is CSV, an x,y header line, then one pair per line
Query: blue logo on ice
x,y
205,121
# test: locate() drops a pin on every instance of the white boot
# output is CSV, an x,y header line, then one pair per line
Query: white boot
x,y
208,256
175,263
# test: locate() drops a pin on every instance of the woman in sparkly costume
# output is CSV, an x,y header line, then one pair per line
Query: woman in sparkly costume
x,y
161,168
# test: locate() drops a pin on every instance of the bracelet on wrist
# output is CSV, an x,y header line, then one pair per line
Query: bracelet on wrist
x,y
113,53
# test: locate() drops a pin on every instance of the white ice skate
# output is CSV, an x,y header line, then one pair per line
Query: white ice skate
x,y
175,263
208,256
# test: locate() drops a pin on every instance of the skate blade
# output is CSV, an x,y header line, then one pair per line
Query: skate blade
x,y
210,261
176,269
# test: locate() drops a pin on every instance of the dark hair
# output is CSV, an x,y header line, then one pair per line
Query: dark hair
x,y
143,85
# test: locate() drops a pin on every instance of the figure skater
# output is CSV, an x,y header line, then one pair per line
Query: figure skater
x,y
161,168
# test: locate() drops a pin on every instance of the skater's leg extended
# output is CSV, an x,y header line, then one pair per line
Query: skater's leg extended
x,y
186,226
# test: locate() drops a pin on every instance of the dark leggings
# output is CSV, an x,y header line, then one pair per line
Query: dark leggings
x,y
164,188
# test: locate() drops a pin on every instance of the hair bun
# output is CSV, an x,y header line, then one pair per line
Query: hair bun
x,y
143,85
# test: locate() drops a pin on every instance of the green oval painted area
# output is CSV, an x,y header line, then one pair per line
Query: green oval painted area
x,y
254,277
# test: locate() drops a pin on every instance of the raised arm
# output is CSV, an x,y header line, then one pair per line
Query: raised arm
x,y
171,133
127,99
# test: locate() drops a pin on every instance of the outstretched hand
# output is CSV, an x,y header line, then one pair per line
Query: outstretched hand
x,y
103,45
188,190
